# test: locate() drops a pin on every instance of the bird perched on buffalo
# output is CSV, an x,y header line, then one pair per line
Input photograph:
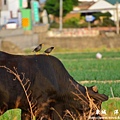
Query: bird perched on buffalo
x,y
47,51
38,48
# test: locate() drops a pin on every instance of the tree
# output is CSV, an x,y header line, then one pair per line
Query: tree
x,y
75,2
52,7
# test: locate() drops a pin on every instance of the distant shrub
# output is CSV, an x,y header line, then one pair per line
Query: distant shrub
x,y
104,19
100,14
108,22
54,25
74,21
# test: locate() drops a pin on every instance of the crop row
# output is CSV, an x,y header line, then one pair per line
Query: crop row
x,y
110,89
84,66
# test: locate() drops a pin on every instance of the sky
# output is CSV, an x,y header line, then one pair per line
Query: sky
x,y
42,1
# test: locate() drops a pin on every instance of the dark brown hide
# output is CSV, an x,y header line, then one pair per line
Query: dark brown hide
x,y
51,87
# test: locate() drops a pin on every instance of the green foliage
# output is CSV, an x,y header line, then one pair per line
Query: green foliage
x,y
74,22
13,114
108,22
67,6
54,25
104,19
105,88
85,66
71,23
110,106
75,2
100,14
52,7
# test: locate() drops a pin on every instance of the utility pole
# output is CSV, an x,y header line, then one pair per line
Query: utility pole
x,y
117,18
61,15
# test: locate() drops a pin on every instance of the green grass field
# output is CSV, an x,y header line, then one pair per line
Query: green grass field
x,y
85,67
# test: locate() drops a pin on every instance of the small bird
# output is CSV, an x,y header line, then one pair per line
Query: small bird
x,y
38,48
47,51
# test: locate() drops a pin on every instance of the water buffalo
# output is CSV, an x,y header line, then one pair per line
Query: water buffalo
x,y
45,83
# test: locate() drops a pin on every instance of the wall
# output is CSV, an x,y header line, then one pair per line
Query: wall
x,y
83,43
30,39
73,33
5,15
16,40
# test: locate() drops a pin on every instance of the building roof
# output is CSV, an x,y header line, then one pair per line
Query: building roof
x,y
85,5
90,7
113,1
102,4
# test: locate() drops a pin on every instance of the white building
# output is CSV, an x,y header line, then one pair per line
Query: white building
x,y
9,9
13,7
105,6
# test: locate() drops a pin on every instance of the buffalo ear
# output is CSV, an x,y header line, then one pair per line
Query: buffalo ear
x,y
95,89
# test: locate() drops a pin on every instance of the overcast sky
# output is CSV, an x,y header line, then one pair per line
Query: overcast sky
x,y
42,1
